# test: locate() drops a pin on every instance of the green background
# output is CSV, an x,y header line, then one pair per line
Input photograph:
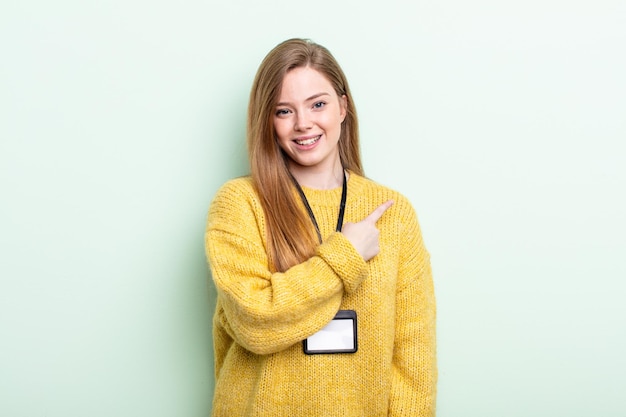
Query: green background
x,y
503,122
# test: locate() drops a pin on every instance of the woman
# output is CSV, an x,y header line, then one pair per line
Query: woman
x,y
325,301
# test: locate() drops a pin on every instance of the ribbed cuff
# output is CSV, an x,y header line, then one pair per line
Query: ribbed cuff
x,y
343,258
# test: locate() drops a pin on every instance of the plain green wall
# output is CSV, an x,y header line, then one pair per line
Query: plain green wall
x,y
503,122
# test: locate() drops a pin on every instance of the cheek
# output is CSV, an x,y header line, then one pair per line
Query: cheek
x,y
282,134
280,127
333,122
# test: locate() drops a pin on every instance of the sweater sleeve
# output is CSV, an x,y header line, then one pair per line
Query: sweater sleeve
x,y
414,368
267,312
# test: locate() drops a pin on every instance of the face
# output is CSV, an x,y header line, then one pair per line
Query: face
x,y
307,120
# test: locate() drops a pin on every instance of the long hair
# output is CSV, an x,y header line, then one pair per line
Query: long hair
x,y
291,238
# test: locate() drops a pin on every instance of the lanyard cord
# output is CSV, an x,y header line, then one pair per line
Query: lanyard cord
x,y
342,205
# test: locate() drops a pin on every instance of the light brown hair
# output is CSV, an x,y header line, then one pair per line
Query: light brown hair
x,y
291,238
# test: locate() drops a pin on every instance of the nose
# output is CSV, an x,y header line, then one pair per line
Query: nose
x,y
303,122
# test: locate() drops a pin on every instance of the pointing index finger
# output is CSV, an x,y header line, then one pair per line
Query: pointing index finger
x,y
379,211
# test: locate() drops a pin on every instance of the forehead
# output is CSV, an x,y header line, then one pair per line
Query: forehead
x,y
303,82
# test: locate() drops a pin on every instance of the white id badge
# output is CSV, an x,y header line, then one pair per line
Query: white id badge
x,y
339,336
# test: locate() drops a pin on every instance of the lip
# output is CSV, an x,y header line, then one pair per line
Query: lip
x,y
301,138
315,138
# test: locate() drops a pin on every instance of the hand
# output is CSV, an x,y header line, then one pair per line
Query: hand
x,y
364,234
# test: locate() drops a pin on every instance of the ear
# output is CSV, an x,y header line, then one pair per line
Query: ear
x,y
343,104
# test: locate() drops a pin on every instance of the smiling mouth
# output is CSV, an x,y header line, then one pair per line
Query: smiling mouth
x,y
307,142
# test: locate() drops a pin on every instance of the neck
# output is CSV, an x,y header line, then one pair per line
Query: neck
x,y
320,179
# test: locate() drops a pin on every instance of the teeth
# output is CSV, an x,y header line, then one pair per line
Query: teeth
x,y
308,141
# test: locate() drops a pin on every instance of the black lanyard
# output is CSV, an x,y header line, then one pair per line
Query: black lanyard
x,y
342,205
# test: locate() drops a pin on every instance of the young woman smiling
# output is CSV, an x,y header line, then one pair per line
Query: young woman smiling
x,y
325,297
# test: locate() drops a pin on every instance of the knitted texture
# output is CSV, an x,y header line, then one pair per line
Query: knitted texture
x,y
262,317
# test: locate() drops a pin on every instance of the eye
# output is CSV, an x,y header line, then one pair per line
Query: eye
x,y
319,104
282,112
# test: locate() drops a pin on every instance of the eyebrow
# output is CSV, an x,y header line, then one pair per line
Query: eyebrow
x,y
313,97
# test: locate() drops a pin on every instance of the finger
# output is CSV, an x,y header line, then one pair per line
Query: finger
x,y
379,211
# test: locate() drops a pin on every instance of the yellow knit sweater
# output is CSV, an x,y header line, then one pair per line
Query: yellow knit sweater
x,y
262,317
